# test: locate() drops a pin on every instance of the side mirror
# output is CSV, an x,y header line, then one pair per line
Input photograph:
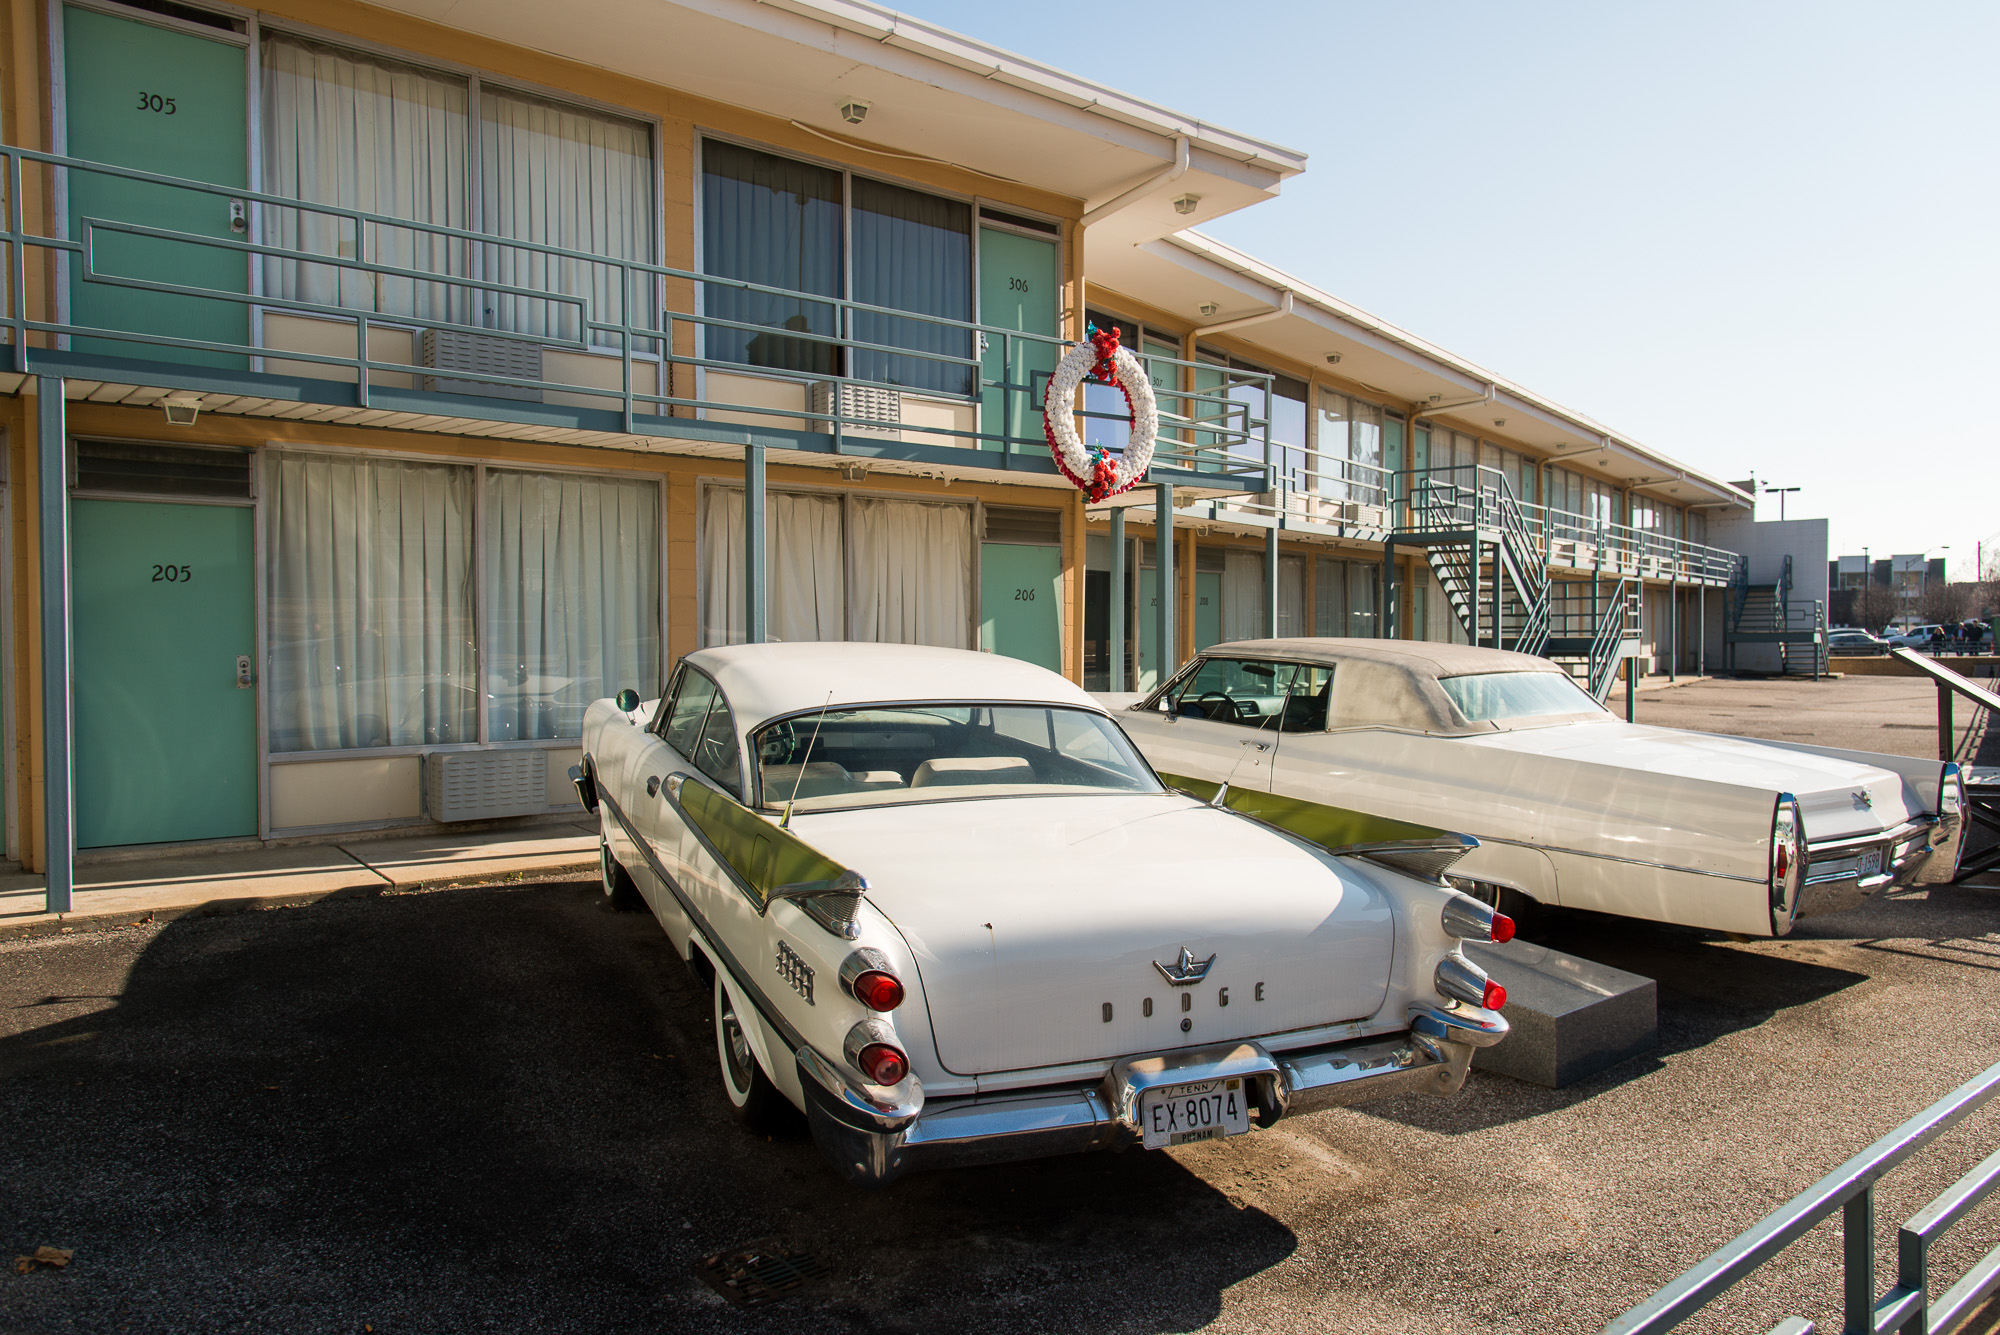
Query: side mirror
x,y
628,700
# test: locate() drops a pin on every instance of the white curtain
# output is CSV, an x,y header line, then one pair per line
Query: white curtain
x,y
1292,597
807,567
572,597
364,133
913,573
561,177
1243,596
370,603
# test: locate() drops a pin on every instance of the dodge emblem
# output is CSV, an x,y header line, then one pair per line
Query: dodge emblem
x,y
1185,970
1863,799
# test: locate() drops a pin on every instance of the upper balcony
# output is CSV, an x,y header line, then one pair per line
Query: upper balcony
x,y
155,288
1343,498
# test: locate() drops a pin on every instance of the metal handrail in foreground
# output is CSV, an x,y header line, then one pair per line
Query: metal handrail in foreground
x,y
1850,1188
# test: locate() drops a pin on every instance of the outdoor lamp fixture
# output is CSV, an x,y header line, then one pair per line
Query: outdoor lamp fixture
x,y
1499,421
181,409
1208,308
854,111
1186,203
1333,359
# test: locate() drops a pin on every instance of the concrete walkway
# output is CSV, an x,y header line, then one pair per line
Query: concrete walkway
x,y
172,885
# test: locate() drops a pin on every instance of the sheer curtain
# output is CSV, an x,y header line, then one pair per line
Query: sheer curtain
x,y
562,177
772,221
1243,596
913,572
365,133
370,616
1292,597
572,597
912,252
807,576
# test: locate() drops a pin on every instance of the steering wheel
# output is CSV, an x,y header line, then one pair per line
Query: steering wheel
x,y
1229,708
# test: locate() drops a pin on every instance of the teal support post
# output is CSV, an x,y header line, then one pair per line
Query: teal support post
x,y
1165,650
1271,582
1385,615
756,576
1119,675
58,782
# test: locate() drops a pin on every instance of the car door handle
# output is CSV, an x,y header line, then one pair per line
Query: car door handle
x,y
653,786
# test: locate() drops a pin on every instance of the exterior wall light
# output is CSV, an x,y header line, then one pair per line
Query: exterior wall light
x,y
181,409
1208,308
1499,421
1186,203
1333,359
854,111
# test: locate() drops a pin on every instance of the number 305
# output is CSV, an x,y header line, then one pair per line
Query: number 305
x,y
154,102
172,574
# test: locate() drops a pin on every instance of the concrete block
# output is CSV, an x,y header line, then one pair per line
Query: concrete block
x,y
1570,1017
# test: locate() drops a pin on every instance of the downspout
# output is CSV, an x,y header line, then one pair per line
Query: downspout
x,y
1144,188
1283,308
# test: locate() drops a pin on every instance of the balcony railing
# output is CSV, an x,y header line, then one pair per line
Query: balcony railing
x,y
609,343
1366,501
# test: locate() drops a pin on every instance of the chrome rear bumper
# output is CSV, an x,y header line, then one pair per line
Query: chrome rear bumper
x,y
1844,873
1431,1057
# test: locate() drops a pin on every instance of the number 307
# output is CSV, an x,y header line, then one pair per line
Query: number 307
x,y
154,102
172,574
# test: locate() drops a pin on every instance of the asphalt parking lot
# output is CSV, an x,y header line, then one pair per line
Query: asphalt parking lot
x,y
497,1109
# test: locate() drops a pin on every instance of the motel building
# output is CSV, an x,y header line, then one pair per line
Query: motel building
x,y
383,383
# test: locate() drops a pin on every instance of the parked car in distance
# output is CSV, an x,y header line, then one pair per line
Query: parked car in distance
x,y
1571,805
947,910
1854,642
1916,637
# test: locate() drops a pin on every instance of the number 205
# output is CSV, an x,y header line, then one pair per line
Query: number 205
x,y
172,574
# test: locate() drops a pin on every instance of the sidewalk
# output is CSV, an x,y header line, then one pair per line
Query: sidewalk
x,y
172,885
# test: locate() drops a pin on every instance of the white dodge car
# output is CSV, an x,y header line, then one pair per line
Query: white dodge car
x,y
948,911
1571,806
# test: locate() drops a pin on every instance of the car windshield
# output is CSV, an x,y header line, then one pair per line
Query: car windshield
x,y
1494,697
892,753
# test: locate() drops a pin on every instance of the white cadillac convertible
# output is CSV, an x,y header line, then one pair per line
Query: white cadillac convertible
x,y
947,911
1571,806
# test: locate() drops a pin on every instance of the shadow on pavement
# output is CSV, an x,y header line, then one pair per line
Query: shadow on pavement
x,y
499,1109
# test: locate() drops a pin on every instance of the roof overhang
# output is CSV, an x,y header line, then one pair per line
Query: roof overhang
x,y
1180,273
933,94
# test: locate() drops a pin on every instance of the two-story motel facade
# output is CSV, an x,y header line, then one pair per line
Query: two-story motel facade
x,y
383,383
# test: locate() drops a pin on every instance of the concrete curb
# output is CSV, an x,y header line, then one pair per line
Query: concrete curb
x,y
374,888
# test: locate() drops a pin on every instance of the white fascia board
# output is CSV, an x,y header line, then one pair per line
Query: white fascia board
x,y
1352,322
887,27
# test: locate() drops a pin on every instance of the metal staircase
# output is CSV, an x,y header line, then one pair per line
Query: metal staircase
x,y
1494,573
1766,614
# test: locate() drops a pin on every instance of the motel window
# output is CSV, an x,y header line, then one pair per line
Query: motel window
x,y
1105,421
352,130
841,568
779,223
1352,465
378,635
1344,597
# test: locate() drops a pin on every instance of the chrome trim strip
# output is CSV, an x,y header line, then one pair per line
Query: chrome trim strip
x,y
1630,862
1916,825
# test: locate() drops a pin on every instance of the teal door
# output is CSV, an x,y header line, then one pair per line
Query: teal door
x,y
161,101
1020,602
1020,286
1149,629
166,738
1207,608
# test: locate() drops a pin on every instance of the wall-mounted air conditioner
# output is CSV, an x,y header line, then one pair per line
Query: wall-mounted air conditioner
x,y
455,350
868,410
483,785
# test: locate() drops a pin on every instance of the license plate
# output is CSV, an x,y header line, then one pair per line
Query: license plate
x,y
1181,1114
1868,862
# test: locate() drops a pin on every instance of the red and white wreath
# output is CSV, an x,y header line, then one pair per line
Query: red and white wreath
x,y
1102,360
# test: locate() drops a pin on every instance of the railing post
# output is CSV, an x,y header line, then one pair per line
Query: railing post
x,y
58,795
17,264
1913,1274
1858,1271
1163,581
755,593
1120,679
1946,743
1386,612
1007,423
1499,592
1701,630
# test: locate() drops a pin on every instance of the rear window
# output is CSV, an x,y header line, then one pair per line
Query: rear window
x,y
1495,697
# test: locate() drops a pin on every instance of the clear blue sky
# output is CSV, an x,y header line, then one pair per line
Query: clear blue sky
x,y
1758,237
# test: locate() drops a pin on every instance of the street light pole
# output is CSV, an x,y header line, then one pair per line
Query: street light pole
x,y
1781,492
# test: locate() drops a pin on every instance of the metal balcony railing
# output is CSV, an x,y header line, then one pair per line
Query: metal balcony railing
x,y
650,322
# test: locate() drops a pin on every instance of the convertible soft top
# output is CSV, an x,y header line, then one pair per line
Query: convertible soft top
x,y
765,681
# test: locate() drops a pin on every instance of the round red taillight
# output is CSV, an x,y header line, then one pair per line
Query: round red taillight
x,y
879,991
1503,927
1496,996
883,1064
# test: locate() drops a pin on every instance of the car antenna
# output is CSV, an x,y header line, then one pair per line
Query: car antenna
x,y
1222,794
799,782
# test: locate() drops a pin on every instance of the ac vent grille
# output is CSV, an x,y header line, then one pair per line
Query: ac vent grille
x,y
868,410
455,350
483,785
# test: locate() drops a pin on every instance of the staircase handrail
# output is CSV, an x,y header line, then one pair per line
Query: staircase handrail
x,y
1613,629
